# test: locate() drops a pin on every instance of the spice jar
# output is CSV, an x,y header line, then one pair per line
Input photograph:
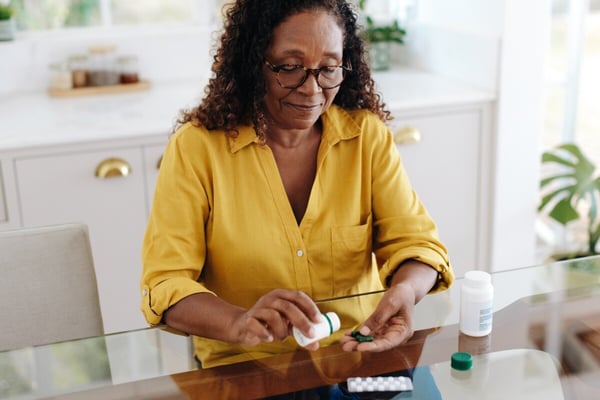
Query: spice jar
x,y
60,76
79,69
128,69
103,70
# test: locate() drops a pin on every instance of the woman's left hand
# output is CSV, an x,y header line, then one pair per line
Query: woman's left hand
x,y
390,325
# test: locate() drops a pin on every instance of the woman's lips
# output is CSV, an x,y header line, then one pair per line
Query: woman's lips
x,y
305,107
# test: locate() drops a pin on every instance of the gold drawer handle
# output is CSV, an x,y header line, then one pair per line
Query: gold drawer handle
x,y
407,135
112,167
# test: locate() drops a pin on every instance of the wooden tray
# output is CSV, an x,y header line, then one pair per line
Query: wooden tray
x,y
94,90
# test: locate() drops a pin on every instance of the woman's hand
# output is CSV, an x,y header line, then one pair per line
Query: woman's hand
x,y
274,315
390,325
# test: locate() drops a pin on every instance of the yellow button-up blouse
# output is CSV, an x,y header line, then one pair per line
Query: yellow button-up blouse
x,y
221,222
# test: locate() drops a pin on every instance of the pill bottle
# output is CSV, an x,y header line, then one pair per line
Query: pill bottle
x,y
328,323
476,304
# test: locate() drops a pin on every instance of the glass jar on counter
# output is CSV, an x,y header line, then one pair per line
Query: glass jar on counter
x,y
103,69
60,76
128,69
79,64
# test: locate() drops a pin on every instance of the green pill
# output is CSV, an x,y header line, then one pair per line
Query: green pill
x,y
361,338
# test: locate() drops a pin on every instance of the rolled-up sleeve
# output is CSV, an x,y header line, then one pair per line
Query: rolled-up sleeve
x,y
174,245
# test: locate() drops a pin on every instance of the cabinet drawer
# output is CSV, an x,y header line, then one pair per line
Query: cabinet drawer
x,y
443,165
63,188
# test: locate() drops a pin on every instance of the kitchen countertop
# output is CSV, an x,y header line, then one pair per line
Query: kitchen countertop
x,y
36,119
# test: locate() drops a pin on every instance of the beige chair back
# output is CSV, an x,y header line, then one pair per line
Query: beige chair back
x,y
48,290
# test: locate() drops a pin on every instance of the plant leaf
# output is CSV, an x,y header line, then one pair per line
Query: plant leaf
x,y
579,169
557,193
564,212
549,179
583,164
551,157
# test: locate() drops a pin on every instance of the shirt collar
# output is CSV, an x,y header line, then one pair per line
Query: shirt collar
x,y
246,136
338,125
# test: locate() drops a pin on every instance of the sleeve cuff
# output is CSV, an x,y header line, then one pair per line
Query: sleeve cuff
x,y
434,260
157,299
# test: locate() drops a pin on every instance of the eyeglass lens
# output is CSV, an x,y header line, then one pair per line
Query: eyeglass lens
x,y
327,77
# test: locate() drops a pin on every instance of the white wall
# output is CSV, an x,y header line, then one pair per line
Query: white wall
x,y
519,136
497,45
460,39
477,16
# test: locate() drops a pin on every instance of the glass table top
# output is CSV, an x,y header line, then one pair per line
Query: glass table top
x,y
545,342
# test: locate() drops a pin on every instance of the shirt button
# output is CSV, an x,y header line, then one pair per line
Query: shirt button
x,y
299,253
144,292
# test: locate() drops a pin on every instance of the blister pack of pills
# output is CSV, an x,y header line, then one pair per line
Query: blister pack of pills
x,y
380,384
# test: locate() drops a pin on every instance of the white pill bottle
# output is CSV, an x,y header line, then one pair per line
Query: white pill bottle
x,y
328,323
476,304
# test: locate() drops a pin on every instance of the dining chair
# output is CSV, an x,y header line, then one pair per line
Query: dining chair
x,y
48,290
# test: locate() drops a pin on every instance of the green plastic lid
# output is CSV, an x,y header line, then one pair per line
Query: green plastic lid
x,y
461,361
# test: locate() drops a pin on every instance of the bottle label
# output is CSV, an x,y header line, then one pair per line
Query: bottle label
x,y
485,316
476,317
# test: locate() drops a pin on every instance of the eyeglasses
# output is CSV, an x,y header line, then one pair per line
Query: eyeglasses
x,y
292,76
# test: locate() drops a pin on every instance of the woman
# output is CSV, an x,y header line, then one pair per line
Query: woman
x,y
278,189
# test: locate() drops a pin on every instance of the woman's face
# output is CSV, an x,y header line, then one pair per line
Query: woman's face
x,y
312,39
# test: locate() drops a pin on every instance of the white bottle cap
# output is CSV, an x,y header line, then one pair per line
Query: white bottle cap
x,y
477,278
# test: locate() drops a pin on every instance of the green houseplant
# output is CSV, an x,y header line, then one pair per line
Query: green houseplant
x,y
572,193
385,33
6,11
7,23
379,38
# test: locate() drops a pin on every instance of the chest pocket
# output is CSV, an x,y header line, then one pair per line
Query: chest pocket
x,y
351,248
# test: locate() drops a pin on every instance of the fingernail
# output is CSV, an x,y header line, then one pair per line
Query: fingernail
x,y
311,332
365,330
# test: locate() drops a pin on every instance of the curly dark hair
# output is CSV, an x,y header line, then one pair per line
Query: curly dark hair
x,y
235,93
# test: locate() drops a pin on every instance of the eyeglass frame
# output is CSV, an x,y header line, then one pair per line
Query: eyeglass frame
x,y
307,71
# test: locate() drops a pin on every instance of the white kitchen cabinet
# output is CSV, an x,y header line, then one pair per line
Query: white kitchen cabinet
x,y
2,200
61,186
445,151
152,158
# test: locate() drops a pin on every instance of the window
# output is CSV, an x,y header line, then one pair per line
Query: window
x,y
58,14
571,108
571,111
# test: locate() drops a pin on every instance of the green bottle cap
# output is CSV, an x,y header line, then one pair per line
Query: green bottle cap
x,y
461,361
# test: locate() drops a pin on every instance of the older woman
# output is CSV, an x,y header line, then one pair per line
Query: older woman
x,y
284,187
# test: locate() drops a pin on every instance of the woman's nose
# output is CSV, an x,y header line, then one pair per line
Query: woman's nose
x,y
311,83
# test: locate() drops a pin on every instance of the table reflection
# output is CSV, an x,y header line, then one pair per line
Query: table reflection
x,y
43,371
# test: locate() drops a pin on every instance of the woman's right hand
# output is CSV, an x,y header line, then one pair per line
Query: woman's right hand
x,y
274,315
